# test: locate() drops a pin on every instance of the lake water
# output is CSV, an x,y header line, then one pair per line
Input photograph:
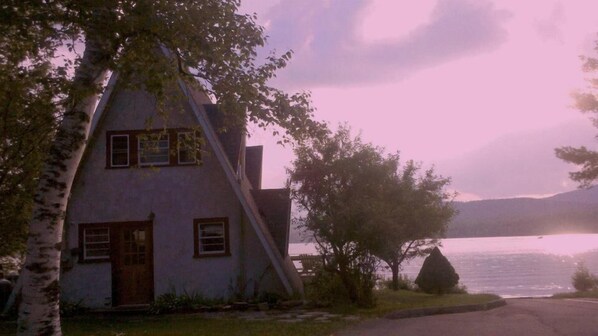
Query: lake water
x,y
510,266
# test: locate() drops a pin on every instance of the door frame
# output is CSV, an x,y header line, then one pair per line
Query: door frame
x,y
115,257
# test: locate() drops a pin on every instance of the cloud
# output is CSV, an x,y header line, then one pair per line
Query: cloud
x,y
329,51
519,164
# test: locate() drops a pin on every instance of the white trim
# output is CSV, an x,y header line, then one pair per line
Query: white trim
x,y
256,222
112,136
103,103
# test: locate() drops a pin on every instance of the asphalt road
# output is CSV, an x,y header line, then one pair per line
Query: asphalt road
x,y
526,317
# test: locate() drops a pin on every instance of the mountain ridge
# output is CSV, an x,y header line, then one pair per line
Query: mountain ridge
x,y
569,212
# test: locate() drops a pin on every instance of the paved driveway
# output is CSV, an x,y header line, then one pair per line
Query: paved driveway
x,y
526,317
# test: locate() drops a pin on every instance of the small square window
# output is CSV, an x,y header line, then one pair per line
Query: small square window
x,y
211,237
96,243
153,149
186,143
119,148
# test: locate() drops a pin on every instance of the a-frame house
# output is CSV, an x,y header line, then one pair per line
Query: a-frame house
x,y
149,214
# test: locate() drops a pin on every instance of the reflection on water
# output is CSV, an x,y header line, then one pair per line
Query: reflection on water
x,y
510,266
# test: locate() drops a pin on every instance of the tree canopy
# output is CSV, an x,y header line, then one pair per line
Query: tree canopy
x,y
359,204
415,212
586,102
336,181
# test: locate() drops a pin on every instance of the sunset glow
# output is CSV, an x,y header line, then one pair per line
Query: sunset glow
x,y
441,80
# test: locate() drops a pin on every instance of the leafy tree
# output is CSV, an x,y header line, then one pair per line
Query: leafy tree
x,y
414,213
211,45
586,102
337,182
583,280
437,275
30,87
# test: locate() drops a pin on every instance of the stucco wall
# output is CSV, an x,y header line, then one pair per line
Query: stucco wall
x,y
173,197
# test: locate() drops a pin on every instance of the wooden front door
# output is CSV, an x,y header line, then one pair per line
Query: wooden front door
x,y
132,272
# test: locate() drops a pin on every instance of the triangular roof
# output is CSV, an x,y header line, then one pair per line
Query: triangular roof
x,y
239,182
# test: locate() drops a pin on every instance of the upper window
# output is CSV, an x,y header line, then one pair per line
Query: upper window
x,y
153,149
119,150
170,147
96,243
211,237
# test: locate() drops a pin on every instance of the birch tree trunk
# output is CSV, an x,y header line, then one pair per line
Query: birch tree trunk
x,y
39,310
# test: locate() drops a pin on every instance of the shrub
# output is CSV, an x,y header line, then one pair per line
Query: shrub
x,y
354,285
405,283
583,280
437,275
459,289
69,309
326,288
171,302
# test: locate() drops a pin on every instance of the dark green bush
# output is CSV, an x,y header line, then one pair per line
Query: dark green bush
x,y
69,309
437,275
326,288
405,283
583,280
173,302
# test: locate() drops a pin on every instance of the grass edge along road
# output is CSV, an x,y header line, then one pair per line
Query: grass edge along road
x,y
195,324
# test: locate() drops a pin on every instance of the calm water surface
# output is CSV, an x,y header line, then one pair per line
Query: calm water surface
x,y
510,266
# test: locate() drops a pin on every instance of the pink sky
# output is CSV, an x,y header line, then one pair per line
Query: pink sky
x,y
437,80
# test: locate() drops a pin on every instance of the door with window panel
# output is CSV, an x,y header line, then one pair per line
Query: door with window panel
x,y
134,265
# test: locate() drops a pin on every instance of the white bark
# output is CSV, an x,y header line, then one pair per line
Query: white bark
x,y
39,309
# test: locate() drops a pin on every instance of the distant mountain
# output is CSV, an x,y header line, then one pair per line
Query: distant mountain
x,y
570,212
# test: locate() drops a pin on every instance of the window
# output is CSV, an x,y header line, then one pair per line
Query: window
x,y
96,243
147,148
153,149
186,147
211,237
119,150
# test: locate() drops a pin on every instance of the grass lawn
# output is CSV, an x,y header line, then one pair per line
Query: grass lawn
x,y
388,301
574,295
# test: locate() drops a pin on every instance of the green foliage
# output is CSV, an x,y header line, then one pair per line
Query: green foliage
x,y
583,280
326,289
459,289
337,182
585,102
30,93
437,275
403,283
271,298
173,302
415,211
41,80
359,203
69,309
